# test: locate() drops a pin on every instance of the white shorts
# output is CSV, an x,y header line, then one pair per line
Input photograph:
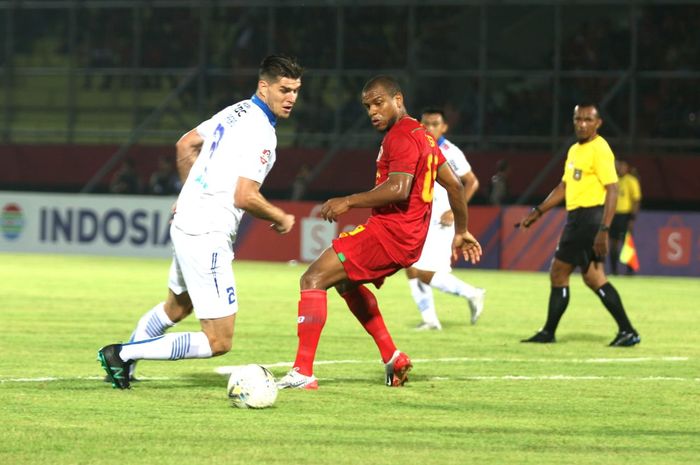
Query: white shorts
x,y
437,250
201,266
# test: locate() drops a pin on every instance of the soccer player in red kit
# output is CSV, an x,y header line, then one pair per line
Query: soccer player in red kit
x,y
409,161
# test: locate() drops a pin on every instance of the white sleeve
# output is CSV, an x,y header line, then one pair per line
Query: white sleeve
x,y
458,162
254,153
206,128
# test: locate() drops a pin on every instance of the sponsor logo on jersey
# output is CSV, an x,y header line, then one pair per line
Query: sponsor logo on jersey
x,y
265,157
11,221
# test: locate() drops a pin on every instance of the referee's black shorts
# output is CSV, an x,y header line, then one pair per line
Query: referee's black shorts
x,y
619,226
576,242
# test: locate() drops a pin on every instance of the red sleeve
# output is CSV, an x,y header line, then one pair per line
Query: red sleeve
x,y
441,157
403,154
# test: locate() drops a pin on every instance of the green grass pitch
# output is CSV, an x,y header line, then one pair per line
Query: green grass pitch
x,y
475,395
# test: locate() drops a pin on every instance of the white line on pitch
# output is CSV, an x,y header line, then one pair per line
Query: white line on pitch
x,y
227,369
567,378
80,378
223,370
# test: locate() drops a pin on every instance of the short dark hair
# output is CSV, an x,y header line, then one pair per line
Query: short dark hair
x,y
588,103
390,84
274,67
433,111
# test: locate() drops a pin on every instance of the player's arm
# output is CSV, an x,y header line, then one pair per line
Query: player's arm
x,y
463,241
600,243
471,185
186,152
248,197
396,188
553,199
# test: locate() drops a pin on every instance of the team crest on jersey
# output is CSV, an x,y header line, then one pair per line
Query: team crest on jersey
x,y
265,157
577,175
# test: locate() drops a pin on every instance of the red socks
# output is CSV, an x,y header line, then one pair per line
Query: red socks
x,y
363,305
313,309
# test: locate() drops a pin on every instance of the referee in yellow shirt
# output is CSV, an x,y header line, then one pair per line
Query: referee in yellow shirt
x,y
589,186
629,196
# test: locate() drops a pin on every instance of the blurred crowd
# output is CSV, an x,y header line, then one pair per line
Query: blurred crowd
x,y
163,181
236,38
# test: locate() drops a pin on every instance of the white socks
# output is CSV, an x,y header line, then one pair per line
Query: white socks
x,y
153,324
423,296
447,282
173,346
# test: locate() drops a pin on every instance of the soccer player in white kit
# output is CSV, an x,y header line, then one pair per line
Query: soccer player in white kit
x,y
223,163
433,268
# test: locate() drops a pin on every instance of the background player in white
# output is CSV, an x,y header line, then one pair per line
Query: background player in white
x,y
433,268
222,162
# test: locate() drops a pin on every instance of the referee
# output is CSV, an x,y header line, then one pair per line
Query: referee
x,y
589,186
629,196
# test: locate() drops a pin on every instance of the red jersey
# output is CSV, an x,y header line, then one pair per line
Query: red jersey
x,y
407,148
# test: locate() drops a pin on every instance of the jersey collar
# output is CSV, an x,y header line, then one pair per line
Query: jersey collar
x,y
263,106
441,140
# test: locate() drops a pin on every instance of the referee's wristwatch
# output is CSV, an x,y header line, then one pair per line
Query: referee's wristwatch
x,y
603,228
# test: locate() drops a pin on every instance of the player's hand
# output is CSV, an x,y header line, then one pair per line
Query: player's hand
x,y
466,245
531,217
447,218
333,208
600,244
284,226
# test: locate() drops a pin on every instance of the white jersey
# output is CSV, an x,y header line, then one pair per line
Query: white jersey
x,y
459,164
239,141
437,249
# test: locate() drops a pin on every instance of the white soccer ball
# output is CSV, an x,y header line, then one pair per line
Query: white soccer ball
x,y
252,386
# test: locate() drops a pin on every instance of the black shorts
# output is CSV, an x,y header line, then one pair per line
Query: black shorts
x,y
576,242
619,226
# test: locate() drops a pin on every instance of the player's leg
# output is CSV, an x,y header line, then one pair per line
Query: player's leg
x,y
559,273
595,279
618,230
422,295
435,265
363,304
205,265
447,282
163,316
160,318
614,254
323,272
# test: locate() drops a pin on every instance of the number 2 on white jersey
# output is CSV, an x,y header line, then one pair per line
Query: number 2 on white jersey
x,y
218,135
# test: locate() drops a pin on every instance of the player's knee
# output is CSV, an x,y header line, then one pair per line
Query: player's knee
x,y
558,278
177,311
220,346
593,282
309,280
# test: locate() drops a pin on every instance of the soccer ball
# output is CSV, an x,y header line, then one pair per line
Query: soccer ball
x,y
252,386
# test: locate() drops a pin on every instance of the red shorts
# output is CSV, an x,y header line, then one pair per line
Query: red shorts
x,y
363,256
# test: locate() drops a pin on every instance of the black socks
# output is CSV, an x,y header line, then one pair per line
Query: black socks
x,y
611,299
558,301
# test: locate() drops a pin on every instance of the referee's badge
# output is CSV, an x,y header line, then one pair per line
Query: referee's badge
x,y
577,175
